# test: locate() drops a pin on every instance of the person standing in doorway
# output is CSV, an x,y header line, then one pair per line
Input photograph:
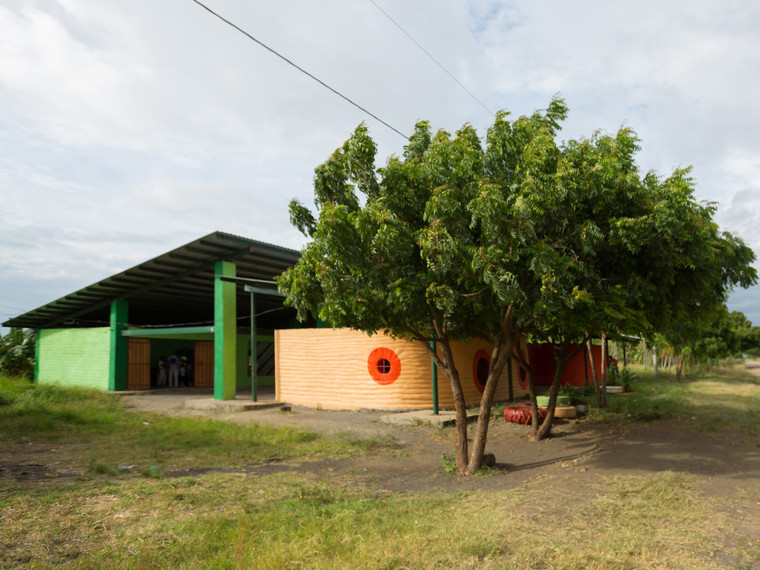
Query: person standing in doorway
x,y
183,371
162,372
174,370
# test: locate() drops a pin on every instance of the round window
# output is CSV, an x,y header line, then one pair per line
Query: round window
x,y
480,365
384,365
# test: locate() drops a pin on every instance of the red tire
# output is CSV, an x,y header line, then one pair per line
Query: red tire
x,y
521,414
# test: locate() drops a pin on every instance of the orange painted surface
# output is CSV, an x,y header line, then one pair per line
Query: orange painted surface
x,y
383,365
331,369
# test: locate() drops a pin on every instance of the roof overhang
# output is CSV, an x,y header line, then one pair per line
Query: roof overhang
x,y
173,289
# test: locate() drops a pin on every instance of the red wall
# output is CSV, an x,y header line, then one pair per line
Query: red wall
x,y
542,365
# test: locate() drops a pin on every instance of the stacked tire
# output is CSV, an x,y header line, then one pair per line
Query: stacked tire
x,y
521,413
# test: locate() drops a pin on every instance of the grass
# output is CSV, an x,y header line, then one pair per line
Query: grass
x,y
709,399
138,519
108,436
284,521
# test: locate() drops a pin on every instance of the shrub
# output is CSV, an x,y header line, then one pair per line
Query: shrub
x,y
17,352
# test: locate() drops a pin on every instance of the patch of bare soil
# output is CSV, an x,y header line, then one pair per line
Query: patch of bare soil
x,y
580,448
31,464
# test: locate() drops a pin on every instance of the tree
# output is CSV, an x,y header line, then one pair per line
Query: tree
x,y
521,239
689,279
729,335
644,254
439,251
17,352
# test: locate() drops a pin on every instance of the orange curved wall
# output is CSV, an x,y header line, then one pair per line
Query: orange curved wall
x,y
328,368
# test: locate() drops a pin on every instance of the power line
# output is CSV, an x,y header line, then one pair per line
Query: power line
x,y
302,70
408,35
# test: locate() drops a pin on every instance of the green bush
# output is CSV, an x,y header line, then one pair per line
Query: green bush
x,y
627,378
17,350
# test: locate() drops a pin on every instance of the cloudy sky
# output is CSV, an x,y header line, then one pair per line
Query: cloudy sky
x,y
131,127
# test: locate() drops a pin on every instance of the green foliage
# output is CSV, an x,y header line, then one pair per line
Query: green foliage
x,y
570,237
17,350
729,335
513,236
449,464
613,375
436,248
570,392
627,378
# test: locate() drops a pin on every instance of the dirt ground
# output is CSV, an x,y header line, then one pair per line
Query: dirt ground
x,y
727,461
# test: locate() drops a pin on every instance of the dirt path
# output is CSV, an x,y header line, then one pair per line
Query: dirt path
x,y
753,367
587,450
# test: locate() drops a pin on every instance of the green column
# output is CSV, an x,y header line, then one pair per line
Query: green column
x,y
254,364
225,332
117,364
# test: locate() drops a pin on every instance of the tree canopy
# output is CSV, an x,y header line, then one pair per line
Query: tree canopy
x,y
515,236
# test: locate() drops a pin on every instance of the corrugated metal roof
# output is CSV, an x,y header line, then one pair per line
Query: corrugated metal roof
x,y
176,288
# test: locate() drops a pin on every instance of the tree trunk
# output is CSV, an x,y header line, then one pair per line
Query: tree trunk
x,y
561,358
603,364
679,368
589,349
517,355
559,366
445,362
499,358
654,359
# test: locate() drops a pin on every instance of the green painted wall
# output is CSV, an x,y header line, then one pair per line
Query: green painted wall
x,y
74,357
243,345
243,349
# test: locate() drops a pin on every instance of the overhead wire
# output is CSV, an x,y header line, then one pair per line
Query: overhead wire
x,y
426,52
302,70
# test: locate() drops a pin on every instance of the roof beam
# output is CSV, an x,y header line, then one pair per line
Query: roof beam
x,y
232,256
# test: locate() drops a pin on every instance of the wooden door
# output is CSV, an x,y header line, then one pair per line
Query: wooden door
x,y
203,365
138,364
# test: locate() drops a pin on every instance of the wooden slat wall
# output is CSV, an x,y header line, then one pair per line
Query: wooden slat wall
x,y
138,364
327,368
203,365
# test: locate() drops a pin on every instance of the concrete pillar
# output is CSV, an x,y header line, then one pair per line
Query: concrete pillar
x,y
117,364
225,332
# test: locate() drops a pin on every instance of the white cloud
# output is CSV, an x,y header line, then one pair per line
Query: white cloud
x,y
130,128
